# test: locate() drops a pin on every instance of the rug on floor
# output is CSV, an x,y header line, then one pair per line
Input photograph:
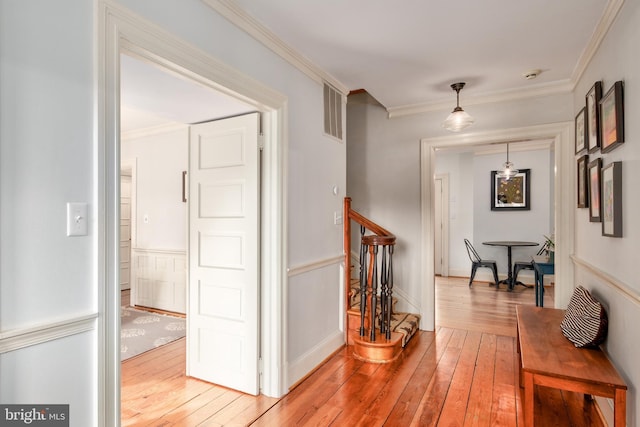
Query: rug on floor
x,y
142,331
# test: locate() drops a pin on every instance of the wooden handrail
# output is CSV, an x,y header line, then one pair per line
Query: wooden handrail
x,y
380,236
368,224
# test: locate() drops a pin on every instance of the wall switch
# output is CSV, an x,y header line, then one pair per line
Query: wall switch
x,y
77,222
337,218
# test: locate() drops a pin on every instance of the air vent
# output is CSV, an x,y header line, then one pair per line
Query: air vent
x,y
332,112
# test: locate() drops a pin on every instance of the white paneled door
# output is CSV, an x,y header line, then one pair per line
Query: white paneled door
x,y
224,273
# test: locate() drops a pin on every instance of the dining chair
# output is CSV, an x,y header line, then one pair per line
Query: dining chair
x,y
477,261
527,265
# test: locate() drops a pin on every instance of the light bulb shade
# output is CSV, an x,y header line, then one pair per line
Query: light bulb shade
x,y
508,171
457,120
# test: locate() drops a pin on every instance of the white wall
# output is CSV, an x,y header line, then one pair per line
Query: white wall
x,y
49,156
470,213
528,225
159,161
459,167
606,265
383,172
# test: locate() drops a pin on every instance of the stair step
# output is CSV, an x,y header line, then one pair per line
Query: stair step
x,y
406,324
380,351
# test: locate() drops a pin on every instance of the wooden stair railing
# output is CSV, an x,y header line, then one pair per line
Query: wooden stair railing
x,y
373,317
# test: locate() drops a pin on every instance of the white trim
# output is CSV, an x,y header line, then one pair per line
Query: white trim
x,y
562,135
152,130
629,293
311,359
120,30
445,223
564,86
305,268
237,16
17,339
606,20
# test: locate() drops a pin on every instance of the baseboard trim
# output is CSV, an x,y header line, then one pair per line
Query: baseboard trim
x,y
17,339
310,360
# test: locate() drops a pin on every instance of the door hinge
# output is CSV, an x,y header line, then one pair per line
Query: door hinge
x,y
261,142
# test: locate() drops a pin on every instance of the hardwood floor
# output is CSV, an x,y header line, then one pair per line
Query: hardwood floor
x,y
464,373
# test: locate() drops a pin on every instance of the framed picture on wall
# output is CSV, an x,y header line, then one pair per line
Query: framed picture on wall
x,y
612,200
581,131
583,197
593,117
595,207
612,118
511,194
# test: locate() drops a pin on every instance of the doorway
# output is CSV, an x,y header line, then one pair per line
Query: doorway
x,y
210,224
125,33
560,134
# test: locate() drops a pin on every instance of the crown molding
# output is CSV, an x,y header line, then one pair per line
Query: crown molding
x,y
563,86
237,16
608,16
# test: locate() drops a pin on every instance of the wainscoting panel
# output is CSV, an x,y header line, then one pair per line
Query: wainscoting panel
x,y
159,279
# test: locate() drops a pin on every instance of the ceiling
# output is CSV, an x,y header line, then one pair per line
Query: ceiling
x,y
405,54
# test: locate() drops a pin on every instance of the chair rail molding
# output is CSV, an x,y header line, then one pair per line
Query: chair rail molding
x,y
315,265
16,339
611,281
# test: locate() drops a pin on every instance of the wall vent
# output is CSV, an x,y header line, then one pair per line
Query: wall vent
x,y
332,112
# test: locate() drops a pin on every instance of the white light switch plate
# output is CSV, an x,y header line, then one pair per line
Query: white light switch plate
x,y
77,219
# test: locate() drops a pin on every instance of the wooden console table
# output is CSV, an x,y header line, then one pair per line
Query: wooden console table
x,y
549,359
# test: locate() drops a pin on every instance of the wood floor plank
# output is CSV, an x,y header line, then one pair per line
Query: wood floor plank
x,y
433,399
481,394
505,384
455,404
464,372
408,402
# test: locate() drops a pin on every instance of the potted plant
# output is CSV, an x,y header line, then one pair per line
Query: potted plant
x,y
550,247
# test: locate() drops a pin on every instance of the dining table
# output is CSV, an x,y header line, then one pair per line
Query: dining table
x,y
509,244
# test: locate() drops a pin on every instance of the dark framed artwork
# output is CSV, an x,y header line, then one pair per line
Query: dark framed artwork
x,y
612,200
581,130
595,207
511,194
593,117
612,118
583,196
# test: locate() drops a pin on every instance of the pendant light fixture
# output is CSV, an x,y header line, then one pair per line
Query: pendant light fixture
x,y
508,171
458,119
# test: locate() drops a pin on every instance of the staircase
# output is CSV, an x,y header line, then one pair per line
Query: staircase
x,y
377,332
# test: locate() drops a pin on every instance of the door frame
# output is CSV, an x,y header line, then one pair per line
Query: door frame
x,y
444,178
562,135
120,31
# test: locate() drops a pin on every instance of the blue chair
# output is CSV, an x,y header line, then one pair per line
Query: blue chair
x,y
477,262
527,265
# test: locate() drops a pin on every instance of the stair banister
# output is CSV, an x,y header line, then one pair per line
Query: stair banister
x,y
380,237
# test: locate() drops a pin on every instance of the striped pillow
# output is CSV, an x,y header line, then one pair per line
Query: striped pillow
x,y
585,321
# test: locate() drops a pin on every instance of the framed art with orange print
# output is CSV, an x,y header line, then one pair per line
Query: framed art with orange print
x,y
595,205
612,118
